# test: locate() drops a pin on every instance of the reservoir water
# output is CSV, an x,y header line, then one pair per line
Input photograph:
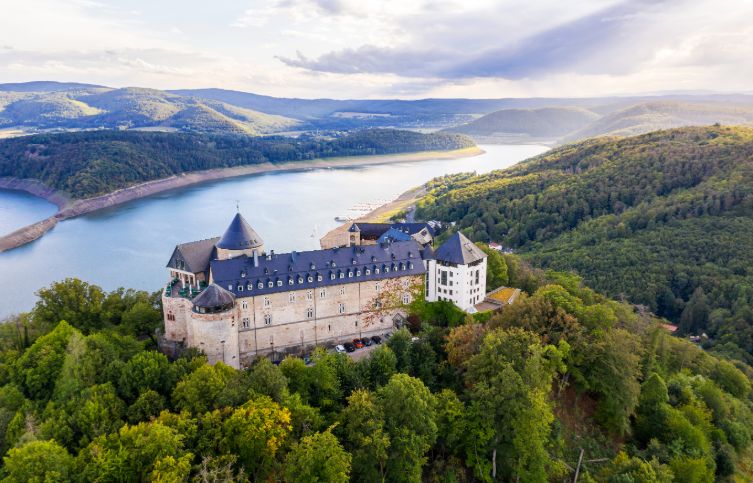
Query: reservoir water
x,y
129,245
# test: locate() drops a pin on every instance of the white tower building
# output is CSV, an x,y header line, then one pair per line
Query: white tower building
x,y
457,272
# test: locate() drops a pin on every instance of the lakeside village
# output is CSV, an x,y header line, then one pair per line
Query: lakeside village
x,y
235,300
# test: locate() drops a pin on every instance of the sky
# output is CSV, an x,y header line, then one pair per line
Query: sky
x,y
385,48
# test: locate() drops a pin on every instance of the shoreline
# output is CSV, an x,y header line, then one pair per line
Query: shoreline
x,y
68,208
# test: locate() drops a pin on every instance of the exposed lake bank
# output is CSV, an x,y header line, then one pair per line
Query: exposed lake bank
x,y
71,208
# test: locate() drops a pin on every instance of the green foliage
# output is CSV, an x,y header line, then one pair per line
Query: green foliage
x,y
662,219
87,164
317,458
496,268
37,370
38,462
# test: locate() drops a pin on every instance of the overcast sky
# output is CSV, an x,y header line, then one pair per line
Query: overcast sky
x,y
384,48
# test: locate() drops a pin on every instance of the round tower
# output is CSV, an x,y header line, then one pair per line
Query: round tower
x,y
212,325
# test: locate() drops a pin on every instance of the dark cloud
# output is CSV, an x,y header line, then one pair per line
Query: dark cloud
x,y
600,43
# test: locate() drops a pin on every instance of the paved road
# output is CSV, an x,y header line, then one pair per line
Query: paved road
x,y
361,353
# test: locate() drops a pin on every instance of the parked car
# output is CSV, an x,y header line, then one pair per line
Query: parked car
x,y
349,347
366,341
376,339
358,343
339,349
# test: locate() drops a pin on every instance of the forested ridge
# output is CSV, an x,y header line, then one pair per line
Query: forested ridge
x,y
663,219
513,396
86,164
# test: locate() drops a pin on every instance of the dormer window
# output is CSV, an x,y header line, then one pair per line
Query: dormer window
x,y
310,279
318,278
333,263
342,275
376,271
313,267
368,272
411,265
332,276
358,273
249,287
300,280
386,269
260,285
240,288
271,284
230,287
279,283
243,274
350,273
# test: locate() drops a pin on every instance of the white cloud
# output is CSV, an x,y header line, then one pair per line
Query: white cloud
x,y
356,48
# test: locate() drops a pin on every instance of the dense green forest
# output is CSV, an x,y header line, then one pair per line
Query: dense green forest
x,y
664,220
86,164
514,396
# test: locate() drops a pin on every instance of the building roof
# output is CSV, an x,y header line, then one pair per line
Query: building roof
x,y
318,268
459,250
393,235
214,298
375,230
193,256
239,235
503,295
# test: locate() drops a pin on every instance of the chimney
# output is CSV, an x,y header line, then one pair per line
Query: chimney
x,y
256,258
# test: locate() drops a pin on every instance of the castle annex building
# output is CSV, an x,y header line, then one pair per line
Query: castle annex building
x,y
235,300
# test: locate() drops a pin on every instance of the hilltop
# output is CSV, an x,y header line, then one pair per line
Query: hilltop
x,y
547,123
567,124
74,107
663,219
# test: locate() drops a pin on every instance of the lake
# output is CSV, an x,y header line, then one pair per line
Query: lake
x,y
130,244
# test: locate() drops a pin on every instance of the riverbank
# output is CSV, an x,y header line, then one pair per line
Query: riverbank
x,y
71,208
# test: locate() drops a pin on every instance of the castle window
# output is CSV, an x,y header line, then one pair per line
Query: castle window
x,y
267,302
230,286
260,285
342,290
322,293
341,308
240,288
368,272
356,324
350,273
291,297
377,304
376,271
310,313
358,273
377,287
311,279
300,280
342,275
411,265
405,284
332,276
271,284
244,304
406,298
329,328
249,287
243,274
279,283
290,281
267,319
386,269
309,295
318,278
246,322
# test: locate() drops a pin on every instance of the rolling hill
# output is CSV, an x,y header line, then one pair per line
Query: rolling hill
x,y
129,108
663,219
547,122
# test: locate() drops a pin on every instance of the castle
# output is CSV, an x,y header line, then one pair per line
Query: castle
x,y
234,300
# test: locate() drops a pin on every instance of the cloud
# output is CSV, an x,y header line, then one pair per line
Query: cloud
x,y
587,44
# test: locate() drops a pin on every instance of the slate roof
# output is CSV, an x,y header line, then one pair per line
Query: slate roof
x,y
393,235
214,297
193,256
318,268
375,230
239,235
459,250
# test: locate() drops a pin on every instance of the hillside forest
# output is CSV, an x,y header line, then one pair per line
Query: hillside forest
x,y
90,163
663,220
563,380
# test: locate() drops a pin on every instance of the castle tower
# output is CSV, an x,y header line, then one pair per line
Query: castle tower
x,y
457,273
239,239
211,326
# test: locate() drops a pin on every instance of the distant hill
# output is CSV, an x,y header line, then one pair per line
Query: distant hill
x,y
547,122
664,219
129,108
52,106
91,163
652,116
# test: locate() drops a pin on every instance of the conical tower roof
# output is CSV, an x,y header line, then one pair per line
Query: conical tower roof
x,y
239,236
214,299
459,250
